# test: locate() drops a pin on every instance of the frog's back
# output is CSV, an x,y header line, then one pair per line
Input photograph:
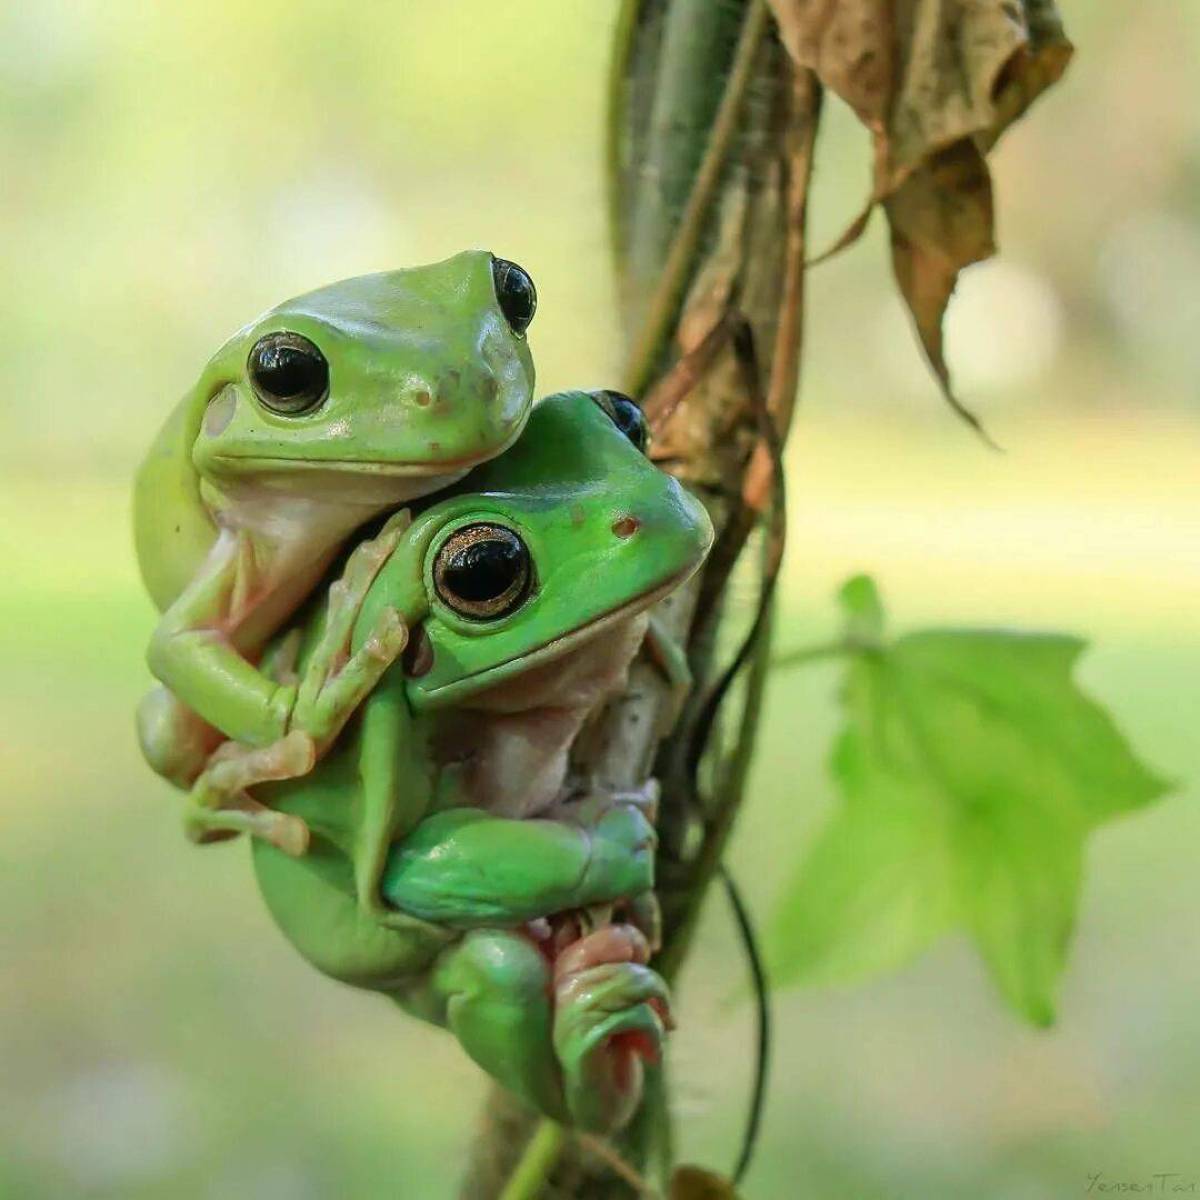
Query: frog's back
x,y
173,531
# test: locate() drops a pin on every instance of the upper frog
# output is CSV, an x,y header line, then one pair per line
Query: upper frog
x,y
327,410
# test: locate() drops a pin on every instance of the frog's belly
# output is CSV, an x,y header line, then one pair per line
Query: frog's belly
x,y
507,750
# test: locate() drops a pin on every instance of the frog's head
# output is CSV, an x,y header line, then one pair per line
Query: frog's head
x,y
374,384
568,532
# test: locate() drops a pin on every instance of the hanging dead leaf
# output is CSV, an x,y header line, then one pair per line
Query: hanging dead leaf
x,y
924,74
1033,68
936,82
695,1183
941,220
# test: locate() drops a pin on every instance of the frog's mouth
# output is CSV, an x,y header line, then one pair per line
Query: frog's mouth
x,y
556,647
266,464
365,466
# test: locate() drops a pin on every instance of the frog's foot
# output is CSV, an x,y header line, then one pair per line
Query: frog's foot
x,y
338,680
611,1016
219,806
591,801
641,911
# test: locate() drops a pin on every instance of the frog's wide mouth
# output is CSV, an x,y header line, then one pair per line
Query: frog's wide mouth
x,y
557,647
361,466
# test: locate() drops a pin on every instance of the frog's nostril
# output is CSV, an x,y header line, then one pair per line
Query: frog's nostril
x,y
626,526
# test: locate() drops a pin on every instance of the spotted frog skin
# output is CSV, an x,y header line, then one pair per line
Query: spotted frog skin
x,y
452,864
330,409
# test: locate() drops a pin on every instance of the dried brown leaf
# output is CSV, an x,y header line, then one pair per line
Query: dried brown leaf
x,y
941,221
847,43
924,74
695,1183
936,82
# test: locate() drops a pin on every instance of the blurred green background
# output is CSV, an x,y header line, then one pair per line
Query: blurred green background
x,y
169,170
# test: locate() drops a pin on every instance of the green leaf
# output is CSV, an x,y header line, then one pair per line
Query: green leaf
x,y
863,609
971,769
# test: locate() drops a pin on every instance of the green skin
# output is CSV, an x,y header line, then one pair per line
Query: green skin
x,y
441,840
239,511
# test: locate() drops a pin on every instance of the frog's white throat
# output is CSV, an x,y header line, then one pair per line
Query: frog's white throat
x,y
291,529
521,729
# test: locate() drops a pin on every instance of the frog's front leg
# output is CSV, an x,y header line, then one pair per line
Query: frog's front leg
x,y
570,1037
670,657
336,679
333,684
464,868
197,652
176,742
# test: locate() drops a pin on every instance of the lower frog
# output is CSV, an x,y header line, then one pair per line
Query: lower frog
x,y
448,865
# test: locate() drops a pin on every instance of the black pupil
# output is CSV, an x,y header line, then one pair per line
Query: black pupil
x,y
515,293
484,570
289,368
628,418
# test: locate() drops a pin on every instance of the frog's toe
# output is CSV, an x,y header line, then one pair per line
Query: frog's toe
x,y
611,944
233,767
219,806
368,557
283,830
286,832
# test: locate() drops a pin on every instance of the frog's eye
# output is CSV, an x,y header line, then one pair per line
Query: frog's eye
x,y
515,294
289,374
483,572
626,416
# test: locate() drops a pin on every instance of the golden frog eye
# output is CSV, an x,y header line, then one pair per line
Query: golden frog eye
x,y
483,572
289,374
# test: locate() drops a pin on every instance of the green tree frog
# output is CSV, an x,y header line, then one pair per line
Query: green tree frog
x,y
326,411
453,864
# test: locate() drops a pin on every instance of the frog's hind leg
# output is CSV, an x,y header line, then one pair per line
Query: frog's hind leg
x,y
569,1037
175,741
612,1013
219,805
493,989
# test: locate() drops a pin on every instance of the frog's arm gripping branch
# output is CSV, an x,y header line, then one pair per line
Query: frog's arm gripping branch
x,y
193,655
466,869
278,728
